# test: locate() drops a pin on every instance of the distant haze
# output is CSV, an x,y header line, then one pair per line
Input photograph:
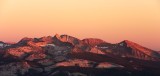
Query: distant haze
x,y
110,20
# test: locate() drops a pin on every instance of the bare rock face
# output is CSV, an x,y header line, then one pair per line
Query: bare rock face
x,y
63,55
37,56
97,51
69,39
18,53
93,41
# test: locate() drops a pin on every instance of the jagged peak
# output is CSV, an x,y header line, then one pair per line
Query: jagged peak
x,y
25,39
128,43
57,36
67,36
64,37
140,48
131,44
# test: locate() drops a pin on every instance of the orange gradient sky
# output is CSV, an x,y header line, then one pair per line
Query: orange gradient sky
x,y
110,20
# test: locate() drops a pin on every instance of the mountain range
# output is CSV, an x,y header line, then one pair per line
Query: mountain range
x,y
64,55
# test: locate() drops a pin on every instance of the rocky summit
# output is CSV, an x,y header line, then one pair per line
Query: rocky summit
x,y
63,55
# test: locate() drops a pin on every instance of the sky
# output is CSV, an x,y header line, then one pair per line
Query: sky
x,y
110,20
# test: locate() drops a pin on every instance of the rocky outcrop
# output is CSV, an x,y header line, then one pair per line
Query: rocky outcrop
x,y
4,45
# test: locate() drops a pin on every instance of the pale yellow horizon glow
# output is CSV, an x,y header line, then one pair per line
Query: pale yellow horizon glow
x,y
110,20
